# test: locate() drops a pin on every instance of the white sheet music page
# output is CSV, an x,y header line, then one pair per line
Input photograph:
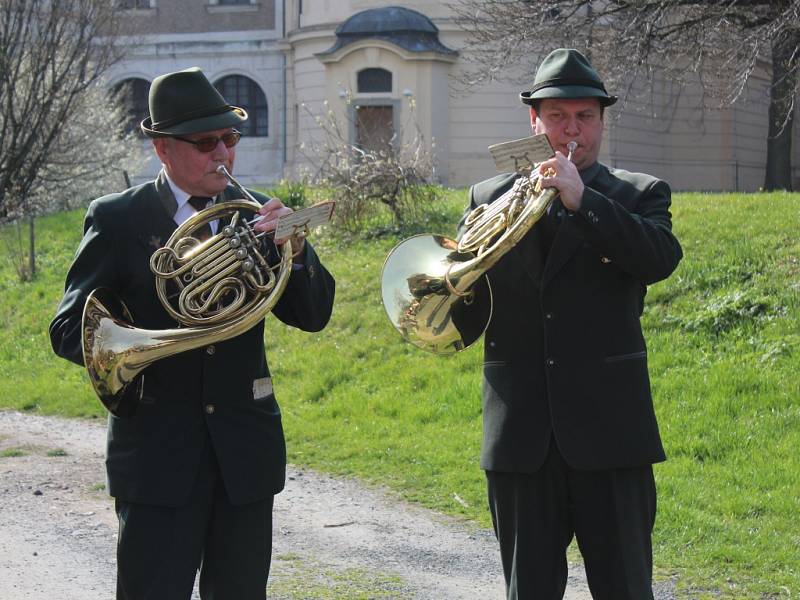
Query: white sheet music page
x,y
521,155
304,219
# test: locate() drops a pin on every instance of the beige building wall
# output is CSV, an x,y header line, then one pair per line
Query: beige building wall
x,y
222,40
665,133
672,137
316,12
191,16
282,49
425,77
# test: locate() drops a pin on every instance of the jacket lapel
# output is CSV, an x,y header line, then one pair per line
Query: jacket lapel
x,y
568,238
156,224
565,244
528,253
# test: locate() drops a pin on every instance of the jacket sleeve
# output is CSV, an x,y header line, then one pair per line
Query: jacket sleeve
x,y
632,228
307,301
93,267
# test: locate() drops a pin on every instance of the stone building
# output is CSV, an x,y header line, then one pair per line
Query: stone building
x,y
287,61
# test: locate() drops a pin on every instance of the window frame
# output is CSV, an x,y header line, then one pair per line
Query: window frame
x,y
257,125
374,70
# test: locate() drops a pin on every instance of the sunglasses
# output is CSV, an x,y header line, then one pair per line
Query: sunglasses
x,y
208,144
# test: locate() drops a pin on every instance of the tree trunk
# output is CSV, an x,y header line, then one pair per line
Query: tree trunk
x,y
31,248
778,174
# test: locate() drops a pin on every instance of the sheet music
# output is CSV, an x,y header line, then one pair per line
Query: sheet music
x,y
521,155
304,219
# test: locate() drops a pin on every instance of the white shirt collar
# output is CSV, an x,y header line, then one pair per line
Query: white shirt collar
x,y
184,209
181,197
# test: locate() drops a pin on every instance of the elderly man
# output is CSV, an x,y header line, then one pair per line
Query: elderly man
x,y
193,471
570,432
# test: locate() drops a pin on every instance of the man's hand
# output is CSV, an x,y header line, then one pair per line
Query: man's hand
x,y
565,179
270,212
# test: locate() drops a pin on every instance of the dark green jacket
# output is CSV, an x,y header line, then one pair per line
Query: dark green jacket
x,y
153,456
564,351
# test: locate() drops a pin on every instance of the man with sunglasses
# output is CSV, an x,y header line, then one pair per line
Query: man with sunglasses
x,y
194,470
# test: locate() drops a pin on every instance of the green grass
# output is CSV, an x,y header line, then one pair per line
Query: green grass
x,y
12,453
724,340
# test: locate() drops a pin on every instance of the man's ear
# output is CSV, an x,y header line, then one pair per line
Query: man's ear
x,y
160,146
533,118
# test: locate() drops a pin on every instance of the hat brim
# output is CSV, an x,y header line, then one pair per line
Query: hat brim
x,y
231,118
568,92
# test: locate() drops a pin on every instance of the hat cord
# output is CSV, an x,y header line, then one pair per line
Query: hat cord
x,y
204,112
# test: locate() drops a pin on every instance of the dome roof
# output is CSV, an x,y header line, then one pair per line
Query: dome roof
x,y
404,27
389,19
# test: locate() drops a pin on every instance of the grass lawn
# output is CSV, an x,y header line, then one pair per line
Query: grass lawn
x,y
724,347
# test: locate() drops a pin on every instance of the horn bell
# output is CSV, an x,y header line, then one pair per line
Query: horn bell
x,y
216,289
421,299
107,347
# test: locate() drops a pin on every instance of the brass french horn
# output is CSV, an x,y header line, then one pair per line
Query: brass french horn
x,y
217,289
435,290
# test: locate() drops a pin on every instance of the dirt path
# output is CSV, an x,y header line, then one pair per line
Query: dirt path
x,y
333,538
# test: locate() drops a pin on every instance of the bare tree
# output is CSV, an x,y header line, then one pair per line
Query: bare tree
x,y
53,57
716,43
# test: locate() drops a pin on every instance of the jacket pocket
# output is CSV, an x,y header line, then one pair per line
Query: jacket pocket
x,y
629,356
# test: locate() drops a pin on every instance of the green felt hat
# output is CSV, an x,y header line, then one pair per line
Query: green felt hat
x,y
566,73
185,102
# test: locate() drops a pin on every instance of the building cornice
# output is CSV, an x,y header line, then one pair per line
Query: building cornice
x,y
212,37
322,30
389,47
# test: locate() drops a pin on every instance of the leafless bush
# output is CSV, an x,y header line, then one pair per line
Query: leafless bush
x,y
366,183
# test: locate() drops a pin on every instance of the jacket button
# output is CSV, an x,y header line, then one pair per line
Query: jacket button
x,y
551,362
210,350
590,214
210,409
548,316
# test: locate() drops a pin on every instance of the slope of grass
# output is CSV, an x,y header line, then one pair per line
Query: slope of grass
x,y
724,339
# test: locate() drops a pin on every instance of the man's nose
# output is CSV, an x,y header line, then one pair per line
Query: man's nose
x,y
221,151
571,126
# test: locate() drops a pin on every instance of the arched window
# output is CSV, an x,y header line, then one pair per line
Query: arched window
x,y
375,80
242,91
133,93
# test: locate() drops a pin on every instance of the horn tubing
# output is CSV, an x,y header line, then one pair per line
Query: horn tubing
x,y
440,306
111,369
115,352
532,212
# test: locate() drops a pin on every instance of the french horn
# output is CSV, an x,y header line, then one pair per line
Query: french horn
x,y
435,290
216,289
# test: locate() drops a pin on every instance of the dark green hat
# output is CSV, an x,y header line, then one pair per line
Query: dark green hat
x,y
566,73
185,102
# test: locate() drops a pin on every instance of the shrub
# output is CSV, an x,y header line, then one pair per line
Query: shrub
x,y
369,183
292,193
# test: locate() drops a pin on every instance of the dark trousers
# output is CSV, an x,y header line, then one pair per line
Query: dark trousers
x,y
160,548
610,512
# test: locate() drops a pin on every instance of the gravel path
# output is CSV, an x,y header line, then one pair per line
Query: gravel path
x,y
58,530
